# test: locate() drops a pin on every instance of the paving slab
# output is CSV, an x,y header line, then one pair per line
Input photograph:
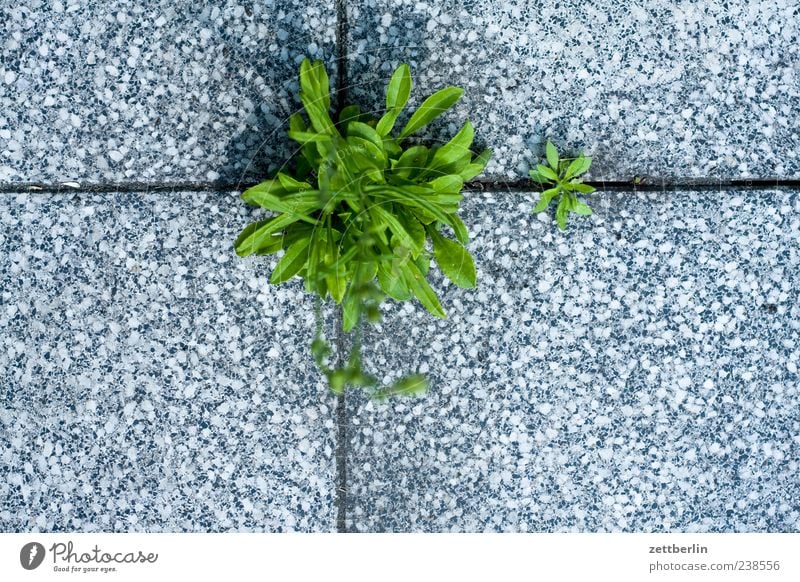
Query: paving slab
x,y
154,91
150,379
636,373
671,91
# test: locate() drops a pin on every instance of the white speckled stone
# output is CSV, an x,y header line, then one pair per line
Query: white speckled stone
x,y
663,89
150,379
638,373
152,91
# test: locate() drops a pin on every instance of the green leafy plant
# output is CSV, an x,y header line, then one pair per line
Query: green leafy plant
x,y
364,211
563,177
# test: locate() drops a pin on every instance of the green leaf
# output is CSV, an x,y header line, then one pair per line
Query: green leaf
x,y
552,155
561,212
476,166
315,95
316,253
459,229
348,114
365,132
454,260
351,310
416,198
257,235
291,185
423,262
291,263
411,242
547,173
544,201
392,282
304,137
296,122
386,122
414,229
399,88
448,184
422,290
582,208
578,166
411,385
397,94
583,188
431,108
337,380
411,162
366,146
273,187
455,149
535,175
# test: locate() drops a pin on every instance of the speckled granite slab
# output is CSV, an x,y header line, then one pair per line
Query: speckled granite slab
x,y
152,91
669,90
150,380
639,373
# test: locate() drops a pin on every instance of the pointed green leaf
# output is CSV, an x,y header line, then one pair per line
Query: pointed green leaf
x,y
386,122
535,175
547,196
578,166
476,166
351,310
270,187
255,236
423,262
296,122
392,282
411,242
414,229
454,260
455,149
291,262
583,188
399,88
304,137
421,289
291,185
459,229
315,95
431,108
552,155
397,94
546,172
582,208
449,184
561,212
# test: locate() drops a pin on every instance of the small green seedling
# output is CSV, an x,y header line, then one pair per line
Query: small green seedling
x,y
564,177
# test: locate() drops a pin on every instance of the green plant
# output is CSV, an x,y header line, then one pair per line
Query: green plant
x,y
563,175
361,212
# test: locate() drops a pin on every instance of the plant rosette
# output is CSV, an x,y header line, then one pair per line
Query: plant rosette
x,y
563,178
364,213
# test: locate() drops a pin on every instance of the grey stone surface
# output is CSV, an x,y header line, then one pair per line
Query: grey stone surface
x,y
152,91
638,373
662,89
151,380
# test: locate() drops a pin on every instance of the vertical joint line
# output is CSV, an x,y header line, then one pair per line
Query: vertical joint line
x,y
341,55
340,341
341,431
